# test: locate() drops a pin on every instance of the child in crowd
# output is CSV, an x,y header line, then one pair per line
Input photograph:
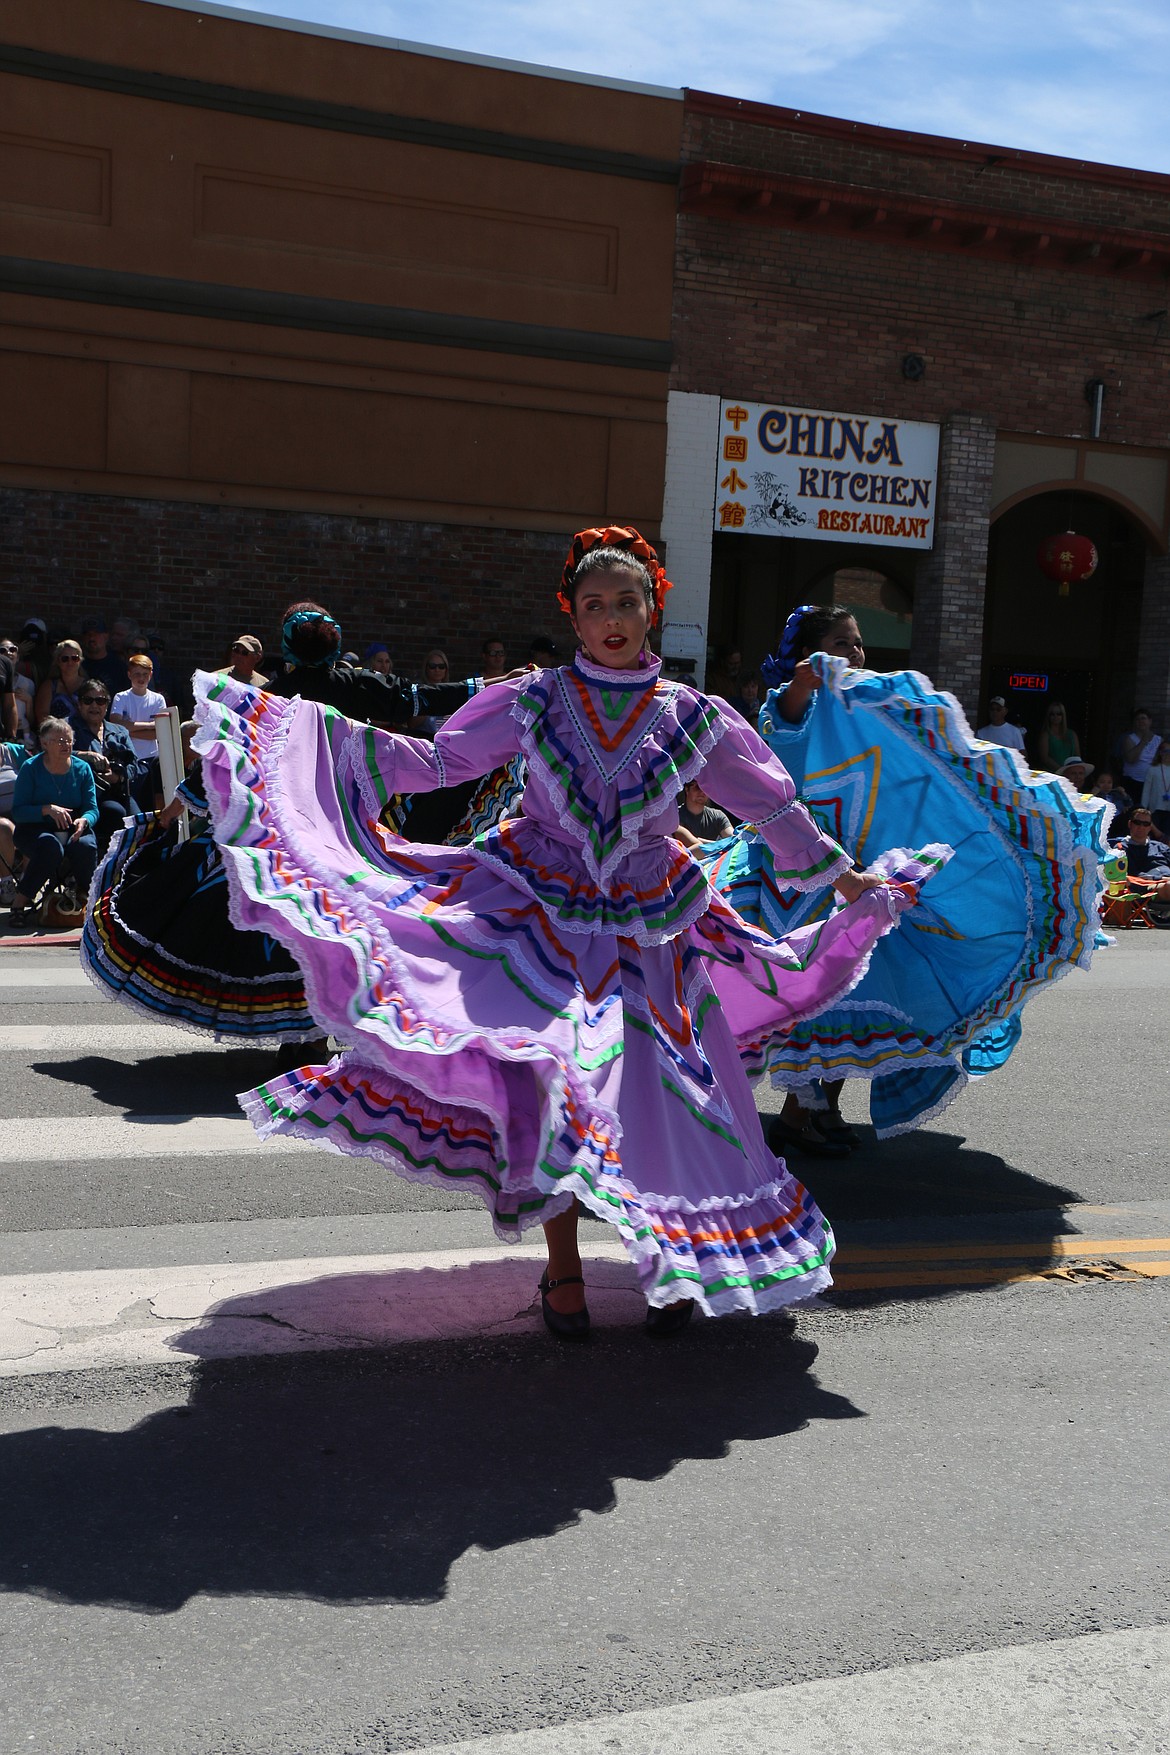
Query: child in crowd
x,y
136,706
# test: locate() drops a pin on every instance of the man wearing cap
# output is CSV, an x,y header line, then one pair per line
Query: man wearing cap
x,y
102,665
999,731
246,653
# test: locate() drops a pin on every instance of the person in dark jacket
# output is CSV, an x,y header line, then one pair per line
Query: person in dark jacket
x,y
122,780
311,644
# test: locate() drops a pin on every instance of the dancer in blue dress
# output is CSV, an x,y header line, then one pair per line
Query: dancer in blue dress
x,y
878,760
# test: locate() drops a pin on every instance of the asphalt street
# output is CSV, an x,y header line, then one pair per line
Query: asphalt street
x,y
289,1466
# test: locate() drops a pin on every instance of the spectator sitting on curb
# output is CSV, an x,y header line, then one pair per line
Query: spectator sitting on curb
x,y
699,817
246,654
1148,856
120,778
54,807
997,730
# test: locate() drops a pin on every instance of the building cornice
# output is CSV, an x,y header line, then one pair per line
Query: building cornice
x,y
828,208
980,155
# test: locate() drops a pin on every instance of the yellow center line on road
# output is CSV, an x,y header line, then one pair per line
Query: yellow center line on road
x,y
993,1276
1056,1261
1069,1246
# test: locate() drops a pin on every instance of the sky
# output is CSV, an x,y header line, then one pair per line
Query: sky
x,y
1082,78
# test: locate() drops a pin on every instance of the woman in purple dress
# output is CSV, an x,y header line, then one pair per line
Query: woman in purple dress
x,y
559,1014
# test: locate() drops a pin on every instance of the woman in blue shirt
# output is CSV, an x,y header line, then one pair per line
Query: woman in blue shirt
x,y
54,808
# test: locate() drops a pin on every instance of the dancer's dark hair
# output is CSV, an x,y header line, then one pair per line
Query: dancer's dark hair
x,y
803,632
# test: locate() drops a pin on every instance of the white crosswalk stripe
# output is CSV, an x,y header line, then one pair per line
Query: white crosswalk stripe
x,y
119,1137
120,1033
109,1318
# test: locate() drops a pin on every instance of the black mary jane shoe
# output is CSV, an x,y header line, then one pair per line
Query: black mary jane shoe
x,y
570,1325
782,1139
669,1319
837,1130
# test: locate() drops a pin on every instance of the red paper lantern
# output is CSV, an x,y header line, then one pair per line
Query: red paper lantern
x,y
1068,558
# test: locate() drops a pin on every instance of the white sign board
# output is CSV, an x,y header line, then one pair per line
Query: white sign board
x,y
683,639
825,477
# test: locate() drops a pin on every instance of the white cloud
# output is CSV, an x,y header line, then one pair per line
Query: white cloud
x,y
1084,78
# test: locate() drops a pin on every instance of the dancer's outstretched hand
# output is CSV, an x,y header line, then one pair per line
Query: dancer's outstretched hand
x,y
852,884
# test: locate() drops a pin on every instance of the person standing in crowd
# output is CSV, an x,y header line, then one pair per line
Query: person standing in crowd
x,y
1138,749
998,730
57,695
1156,788
125,638
8,720
436,671
724,677
311,647
55,810
136,707
24,693
246,655
1056,742
35,653
544,653
102,665
377,657
1105,788
164,679
747,701
494,656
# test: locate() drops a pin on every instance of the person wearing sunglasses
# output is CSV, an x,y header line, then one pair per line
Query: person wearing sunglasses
x,y
56,696
108,750
1147,854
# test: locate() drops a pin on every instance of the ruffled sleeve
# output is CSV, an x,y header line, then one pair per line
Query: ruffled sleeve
x,y
744,776
481,736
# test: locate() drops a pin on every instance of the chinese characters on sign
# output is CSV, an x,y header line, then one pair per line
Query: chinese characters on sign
x,y
829,477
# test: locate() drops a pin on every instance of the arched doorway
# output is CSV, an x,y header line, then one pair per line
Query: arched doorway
x,y
757,581
1081,649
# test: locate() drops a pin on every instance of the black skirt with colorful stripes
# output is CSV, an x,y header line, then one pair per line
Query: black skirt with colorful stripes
x,y
157,937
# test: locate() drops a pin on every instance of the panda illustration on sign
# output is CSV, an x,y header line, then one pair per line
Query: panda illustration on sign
x,y
774,504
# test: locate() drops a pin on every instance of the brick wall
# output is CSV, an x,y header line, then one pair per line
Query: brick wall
x,y
1153,655
952,579
203,574
957,173
788,315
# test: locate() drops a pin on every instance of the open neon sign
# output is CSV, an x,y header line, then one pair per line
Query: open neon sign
x,y
1028,682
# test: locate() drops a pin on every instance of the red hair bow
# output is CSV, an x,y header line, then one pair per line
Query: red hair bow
x,y
615,536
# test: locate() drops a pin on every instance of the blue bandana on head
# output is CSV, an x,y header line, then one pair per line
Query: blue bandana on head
x,y
778,669
298,620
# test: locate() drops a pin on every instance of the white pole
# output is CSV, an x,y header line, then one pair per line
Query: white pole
x,y
170,760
